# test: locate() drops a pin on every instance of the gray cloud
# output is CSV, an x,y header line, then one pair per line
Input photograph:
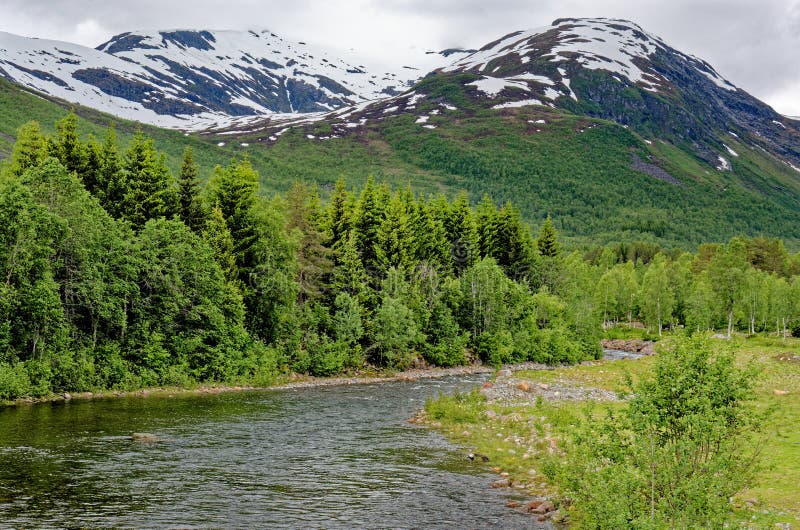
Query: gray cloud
x,y
753,43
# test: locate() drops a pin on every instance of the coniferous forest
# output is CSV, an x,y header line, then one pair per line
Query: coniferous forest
x,y
119,274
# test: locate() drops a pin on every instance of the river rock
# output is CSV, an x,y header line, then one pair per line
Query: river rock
x,y
524,386
505,372
642,347
501,483
540,506
512,504
144,437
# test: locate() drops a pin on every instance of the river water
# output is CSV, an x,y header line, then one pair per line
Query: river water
x,y
330,457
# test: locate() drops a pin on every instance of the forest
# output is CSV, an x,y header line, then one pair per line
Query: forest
x,y
118,274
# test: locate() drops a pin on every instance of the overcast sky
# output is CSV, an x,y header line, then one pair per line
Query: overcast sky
x,y
753,43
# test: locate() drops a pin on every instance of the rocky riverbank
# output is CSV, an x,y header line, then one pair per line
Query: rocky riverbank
x,y
291,382
508,390
639,346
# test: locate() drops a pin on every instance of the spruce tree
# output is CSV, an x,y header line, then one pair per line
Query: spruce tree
x,y
512,246
485,224
460,227
92,165
234,190
112,182
151,191
548,240
218,237
368,219
66,145
339,217
313,259
349,276
429,240
30,150
394,238
191,211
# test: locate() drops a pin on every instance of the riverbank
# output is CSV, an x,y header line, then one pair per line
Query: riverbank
x,y
519,422
291,382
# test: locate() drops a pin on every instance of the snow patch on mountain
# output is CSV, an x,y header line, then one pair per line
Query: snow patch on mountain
x,y
619,47
520,103
492,86
731,151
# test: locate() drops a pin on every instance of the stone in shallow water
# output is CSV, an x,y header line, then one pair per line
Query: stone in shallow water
x,y
144,437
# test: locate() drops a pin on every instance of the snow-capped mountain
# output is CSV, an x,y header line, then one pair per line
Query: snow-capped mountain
x,y
613,69
196,79
253,80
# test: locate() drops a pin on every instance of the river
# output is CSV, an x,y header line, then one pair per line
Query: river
x,y
328,457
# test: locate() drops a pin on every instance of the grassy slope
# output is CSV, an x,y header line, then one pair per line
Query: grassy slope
x,y
527,431
574,168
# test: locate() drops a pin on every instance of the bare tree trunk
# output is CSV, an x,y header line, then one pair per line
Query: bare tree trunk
x,y
730,322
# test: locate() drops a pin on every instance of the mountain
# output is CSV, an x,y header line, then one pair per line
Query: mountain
x,y
596,122
194,79
613,69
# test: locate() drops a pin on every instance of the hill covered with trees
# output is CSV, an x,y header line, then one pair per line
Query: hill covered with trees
x,y
120,273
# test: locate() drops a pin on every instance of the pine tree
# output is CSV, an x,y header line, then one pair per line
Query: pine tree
x,y
191,212
368,220
151,191
30,150
460,227
339,217
67,147
548,240
218,237
313,259
112,182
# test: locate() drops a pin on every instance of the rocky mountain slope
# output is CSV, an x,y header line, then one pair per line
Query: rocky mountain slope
x,y
615,70
195,79
617,135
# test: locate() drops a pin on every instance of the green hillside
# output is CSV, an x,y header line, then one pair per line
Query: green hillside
x,y
577,169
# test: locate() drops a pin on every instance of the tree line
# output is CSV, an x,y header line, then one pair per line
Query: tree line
x,y
118,274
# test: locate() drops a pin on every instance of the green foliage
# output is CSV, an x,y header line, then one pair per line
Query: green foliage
x,y
395,333
190,205
347,325
151,192
548,240
98,293
675,456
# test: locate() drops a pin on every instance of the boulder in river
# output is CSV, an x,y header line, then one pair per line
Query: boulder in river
x,y
145,437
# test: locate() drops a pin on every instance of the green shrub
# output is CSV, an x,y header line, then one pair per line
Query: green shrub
x,y
327,357
450,352
461,407
14,381
676,455
496,348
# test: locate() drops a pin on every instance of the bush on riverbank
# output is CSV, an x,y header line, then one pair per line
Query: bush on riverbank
x,y
675,455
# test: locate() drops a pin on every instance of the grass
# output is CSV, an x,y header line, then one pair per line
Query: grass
x,y
520,439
